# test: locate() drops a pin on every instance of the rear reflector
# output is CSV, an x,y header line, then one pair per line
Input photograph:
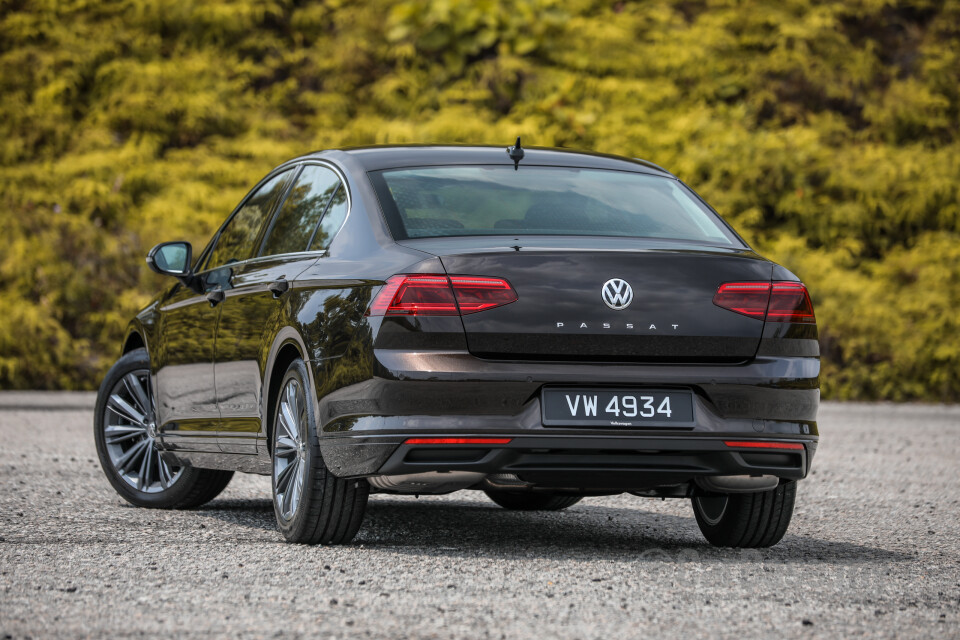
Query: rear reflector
x,y
771,301
753,444
440,295
457,440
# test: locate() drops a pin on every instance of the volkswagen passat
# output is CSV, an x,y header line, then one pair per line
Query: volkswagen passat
x,y
540,325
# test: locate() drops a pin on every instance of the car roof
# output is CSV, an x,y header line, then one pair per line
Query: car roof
x,y
376,158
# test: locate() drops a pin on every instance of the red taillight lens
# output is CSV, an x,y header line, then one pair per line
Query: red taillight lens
x,y
426,295
790,302
773,301
755,444
747,298
478,294
439,295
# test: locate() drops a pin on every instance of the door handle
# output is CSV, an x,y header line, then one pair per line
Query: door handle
x,y
216,296
279,286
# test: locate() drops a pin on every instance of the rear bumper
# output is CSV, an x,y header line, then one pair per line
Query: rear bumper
x,y
429,393
576,462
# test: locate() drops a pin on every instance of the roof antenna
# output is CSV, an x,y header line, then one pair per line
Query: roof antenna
x,y
516,154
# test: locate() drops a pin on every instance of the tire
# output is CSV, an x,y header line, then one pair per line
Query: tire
x,y
311,504
124,429
746,520
531,501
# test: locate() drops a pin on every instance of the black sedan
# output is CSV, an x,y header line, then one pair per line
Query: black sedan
x,y
540,325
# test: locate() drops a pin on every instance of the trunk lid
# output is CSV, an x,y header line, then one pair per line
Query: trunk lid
x,y
561,313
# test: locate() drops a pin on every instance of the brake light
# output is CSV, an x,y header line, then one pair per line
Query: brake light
x,y
440,295
746,298
790,302
479,294
772,301
754,444
426,295
457,441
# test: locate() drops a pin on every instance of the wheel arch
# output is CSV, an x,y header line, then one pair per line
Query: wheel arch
x,y
134,339
287,347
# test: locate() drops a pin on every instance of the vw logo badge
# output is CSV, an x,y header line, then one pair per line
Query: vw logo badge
x,y
617,293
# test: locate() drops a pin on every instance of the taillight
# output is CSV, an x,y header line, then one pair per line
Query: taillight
x,y
440,295
773,301
479,294
790,302
747,298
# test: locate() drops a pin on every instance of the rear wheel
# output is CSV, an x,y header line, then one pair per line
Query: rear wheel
x,y
311,504
531,501
125,431
746,520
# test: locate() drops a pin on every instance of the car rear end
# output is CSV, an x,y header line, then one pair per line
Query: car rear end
x,y
564,346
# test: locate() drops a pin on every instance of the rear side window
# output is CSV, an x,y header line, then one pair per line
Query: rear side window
x,y
238,237
336,213
431,202
297,220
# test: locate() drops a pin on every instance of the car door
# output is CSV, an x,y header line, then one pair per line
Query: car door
x,y
187,413
186,387
250,311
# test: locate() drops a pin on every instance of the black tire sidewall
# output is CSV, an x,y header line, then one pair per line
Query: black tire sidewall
x,y
745,523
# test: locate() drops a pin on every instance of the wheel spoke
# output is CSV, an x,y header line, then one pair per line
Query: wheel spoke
x,y
295,403
143,477
295,491
288,494
123,409
115,434
132,455
290,422
282,421
283,478
285,447
163,471
137,392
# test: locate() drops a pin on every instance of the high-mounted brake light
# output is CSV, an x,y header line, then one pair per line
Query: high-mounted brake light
x,y
756,444
772,301
440,295
457,441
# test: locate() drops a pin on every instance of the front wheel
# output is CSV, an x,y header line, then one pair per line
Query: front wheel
x,y
125,431
311,504
746,520
531,501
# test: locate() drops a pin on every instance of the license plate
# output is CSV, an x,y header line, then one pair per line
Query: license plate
x,y
616,407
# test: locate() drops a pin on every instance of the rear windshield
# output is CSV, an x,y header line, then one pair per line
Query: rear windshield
x,y
431,202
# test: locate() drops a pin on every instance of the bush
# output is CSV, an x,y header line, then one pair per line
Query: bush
x,y
826,132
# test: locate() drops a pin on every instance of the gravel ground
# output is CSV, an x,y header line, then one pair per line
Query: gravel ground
x,y
873,550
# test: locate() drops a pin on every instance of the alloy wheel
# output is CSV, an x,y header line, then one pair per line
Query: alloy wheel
x,y
290,450
130,433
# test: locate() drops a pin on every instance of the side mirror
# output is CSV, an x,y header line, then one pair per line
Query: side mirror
x,y
175,259
171,259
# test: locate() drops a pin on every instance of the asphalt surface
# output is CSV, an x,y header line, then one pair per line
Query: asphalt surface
x,y
873,550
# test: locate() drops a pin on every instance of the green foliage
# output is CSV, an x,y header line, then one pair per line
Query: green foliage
x,y
826,132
